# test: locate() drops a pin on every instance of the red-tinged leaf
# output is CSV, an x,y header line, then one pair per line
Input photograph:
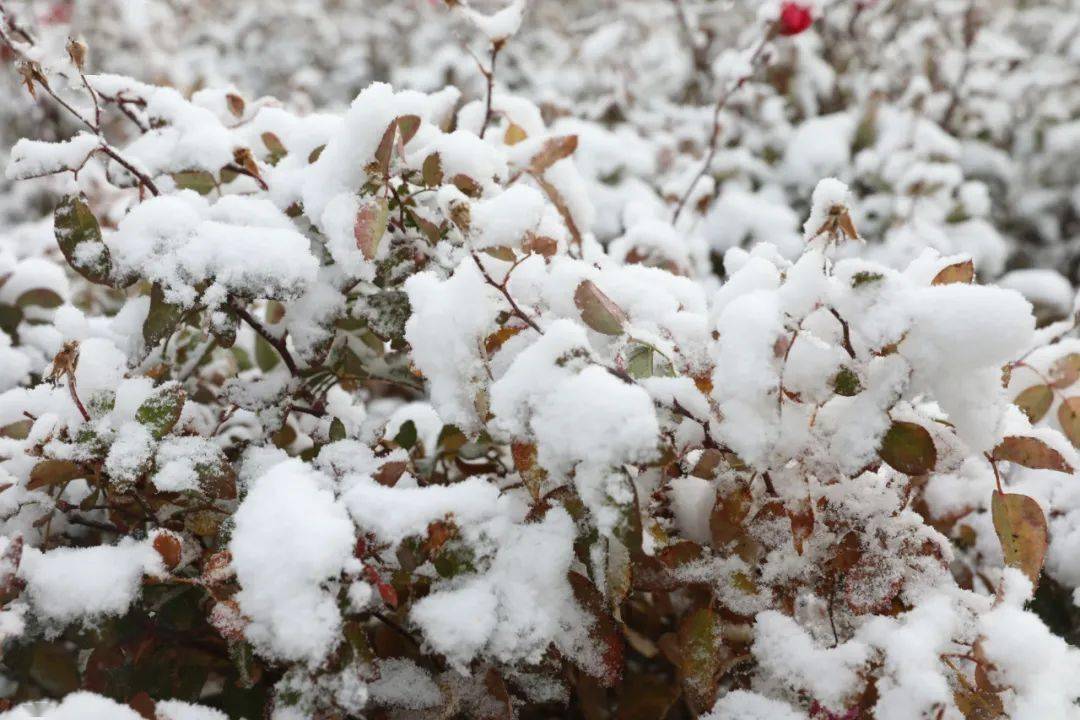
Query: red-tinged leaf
x,y
501,706
552,151
961,272
660,572
604,632
1065,371
802,523
50,473
370,225
408,125
168,546
1032,453
701,655
908,448
386,591
726,523
597,309
236,104
1069,417
1021,527
385,149
1035,401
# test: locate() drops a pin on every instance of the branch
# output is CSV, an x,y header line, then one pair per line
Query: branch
x,y
489,76
501,287
277,343
721,101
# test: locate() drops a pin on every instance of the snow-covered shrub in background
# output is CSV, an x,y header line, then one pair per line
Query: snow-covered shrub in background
x,y
376,413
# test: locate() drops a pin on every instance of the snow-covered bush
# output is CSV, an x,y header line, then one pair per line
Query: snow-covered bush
x,y
436,406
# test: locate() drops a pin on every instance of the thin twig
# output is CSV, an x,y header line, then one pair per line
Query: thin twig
x,y
721,101
277,343
489,76
501,287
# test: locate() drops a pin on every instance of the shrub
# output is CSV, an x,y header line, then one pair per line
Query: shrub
x,y
353,415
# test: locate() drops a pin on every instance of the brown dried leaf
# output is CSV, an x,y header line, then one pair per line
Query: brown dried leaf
x,y
552,151
1032,453
236,104
1069,417
961,272
597,309
1021,527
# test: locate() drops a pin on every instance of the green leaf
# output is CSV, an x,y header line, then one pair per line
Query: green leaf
x,y
162,318
39,297
908,448
161,411
337,430
863,278
79,237
406,435
846,382
1021,527
597,309
1032,453
1035,401
643,361
266,357
1065,371
200,181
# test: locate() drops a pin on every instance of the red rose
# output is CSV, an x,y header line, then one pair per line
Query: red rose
x,y
794,18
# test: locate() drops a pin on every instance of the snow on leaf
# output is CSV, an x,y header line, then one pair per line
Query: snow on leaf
x,y
1035,401
961,272
552,151
1031,452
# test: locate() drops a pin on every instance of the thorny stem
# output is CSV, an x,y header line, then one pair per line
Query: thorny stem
x,y
721,101
277,343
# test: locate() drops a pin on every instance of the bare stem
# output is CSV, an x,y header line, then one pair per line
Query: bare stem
x,y
721,101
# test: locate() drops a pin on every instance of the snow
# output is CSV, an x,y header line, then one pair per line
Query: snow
x,y
291,537
109,578
77,706
34,158
243,245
